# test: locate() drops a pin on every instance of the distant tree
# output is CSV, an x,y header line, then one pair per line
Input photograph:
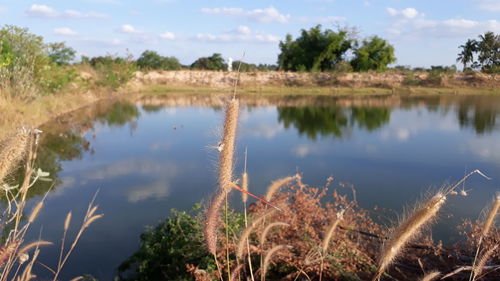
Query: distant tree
x,y
214,62
60,53
489,51
466,56
375,53
152,60
314,50
243,66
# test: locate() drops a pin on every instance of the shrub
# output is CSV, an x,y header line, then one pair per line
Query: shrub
x,y
214,62
152,60
113,72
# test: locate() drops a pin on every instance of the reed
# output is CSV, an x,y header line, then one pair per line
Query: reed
x,y
431,276
13,152
244,186
226,156
248,230
268,257
275,186
33,245
408,229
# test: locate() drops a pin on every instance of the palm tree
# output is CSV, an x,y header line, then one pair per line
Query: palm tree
x,y
467,54
489,49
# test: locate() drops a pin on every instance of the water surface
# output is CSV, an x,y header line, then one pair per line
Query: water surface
x,y
156,154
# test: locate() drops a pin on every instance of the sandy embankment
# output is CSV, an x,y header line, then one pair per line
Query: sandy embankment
x,y
292,79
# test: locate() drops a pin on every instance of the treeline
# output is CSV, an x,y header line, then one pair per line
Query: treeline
x,y
481,54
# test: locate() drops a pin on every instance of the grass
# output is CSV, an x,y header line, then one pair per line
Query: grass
x,y
306,243
17,257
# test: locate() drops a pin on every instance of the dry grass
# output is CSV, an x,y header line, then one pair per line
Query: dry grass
x,y
16,263
408,229
431,276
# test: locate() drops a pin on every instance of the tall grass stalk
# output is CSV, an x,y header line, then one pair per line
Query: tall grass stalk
x,y
275,186
248,230
488,223
431,276
478,269
408,229
268,257
226,149
244,199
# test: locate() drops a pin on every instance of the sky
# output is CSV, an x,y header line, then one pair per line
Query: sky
x,y
424,33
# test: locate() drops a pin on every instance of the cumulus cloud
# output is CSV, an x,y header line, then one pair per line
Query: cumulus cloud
x,y
167,35
267,15
65,31
158,189
489,5
79,15
44,11
408,13
239,34
129,29
323,20
41,11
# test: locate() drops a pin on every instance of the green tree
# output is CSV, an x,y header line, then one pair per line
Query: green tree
x,y
152,60
466,56
375,53
214,62
61,54
314,50
489,51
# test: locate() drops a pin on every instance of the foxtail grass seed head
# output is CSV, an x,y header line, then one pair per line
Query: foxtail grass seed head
x,y
268,257
212,221
7,250
478,269
226,159
91,220
33,245
67,221
490,219
246,233
267,229
431,276
35,212
244,186
408,229
12,152
331,230
275,185
226,156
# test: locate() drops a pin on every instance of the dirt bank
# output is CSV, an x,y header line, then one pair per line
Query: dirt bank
x,y
291,79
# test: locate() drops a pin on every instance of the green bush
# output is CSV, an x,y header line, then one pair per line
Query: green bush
x,y
152,60
214,62
56,77
113,72
166,250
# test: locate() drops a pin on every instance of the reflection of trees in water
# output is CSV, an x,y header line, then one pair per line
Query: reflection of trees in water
x,y
67,141
315,121
481,117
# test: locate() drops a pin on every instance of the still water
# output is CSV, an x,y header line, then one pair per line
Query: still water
x,y
147,157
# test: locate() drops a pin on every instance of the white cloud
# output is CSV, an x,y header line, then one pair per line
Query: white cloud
x,y
41,11
129,29
65,31
323,20
157,190
485,148
79,15
240,34
489,5
267,15
408,13
167,35
44,11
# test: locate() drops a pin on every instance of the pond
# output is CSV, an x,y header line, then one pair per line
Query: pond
x,y
149,156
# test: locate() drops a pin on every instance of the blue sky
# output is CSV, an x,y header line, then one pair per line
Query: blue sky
x,y
424,33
